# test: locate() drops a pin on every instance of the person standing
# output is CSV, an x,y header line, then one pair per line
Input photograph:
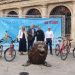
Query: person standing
x,y
31,36
40,34
48,38
22,36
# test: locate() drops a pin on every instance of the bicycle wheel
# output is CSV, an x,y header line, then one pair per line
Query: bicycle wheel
x,y
64,53
9,57
57,50
74,52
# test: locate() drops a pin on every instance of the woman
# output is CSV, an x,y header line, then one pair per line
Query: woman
x,y
22,37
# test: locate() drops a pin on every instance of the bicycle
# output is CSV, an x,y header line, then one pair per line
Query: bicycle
x,y
62,48
10,53
69,44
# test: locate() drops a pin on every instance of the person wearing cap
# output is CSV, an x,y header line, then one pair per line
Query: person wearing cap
x,y
22,37
48,38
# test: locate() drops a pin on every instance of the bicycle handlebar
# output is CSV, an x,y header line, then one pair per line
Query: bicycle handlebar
x,y
11,40
1,40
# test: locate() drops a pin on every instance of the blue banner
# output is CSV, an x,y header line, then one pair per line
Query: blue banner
x,y
12,25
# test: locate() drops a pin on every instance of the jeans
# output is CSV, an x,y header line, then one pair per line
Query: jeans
x,y
49,43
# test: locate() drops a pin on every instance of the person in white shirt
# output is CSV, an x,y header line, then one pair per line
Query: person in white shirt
x,y
22,37
48,38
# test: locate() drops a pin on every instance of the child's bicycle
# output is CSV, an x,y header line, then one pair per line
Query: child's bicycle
x,y
62,48
9,53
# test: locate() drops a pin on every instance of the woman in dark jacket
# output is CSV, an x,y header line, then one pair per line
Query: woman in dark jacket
x,y
40,34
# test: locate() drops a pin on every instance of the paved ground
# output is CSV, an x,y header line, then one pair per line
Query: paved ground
x,y
59,67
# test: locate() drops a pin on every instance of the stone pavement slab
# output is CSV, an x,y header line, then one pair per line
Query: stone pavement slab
x,y
59,67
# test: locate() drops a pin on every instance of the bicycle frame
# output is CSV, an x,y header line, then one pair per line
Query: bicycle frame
x,y
61,47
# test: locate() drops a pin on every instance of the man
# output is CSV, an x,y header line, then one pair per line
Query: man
x,y
31,36
40,34
48,38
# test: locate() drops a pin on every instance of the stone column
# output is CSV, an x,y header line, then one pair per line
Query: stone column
x,y
1,13
20,13
73,23
44,11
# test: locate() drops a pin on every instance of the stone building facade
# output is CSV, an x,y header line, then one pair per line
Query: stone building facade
x,y
41,8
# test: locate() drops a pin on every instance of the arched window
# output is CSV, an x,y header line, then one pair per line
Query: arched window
x,y
12,14
33,13
62,10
